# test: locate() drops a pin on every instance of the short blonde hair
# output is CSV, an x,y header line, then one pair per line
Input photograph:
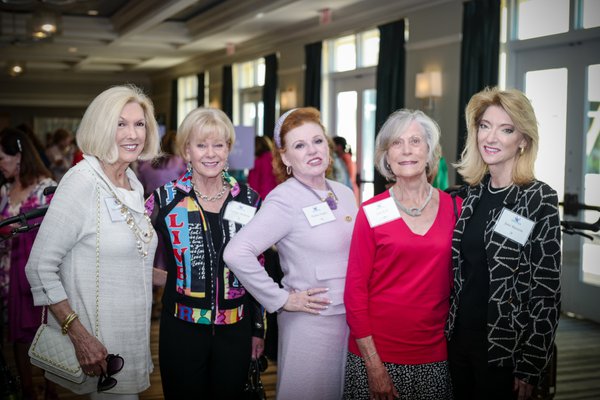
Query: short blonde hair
x,y
97,131
518,107
394,127
298,117
204,122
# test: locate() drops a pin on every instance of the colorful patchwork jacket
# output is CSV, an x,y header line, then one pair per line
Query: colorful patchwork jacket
x,y
200,288
524,293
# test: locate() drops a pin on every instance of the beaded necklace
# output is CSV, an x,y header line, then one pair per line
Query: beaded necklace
x,y
211,198
141,237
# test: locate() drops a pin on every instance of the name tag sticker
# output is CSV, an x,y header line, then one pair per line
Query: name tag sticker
x,y
514,226
239,213
381,212
114,210
318,214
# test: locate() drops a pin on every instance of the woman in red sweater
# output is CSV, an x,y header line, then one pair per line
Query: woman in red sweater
x,y
399,271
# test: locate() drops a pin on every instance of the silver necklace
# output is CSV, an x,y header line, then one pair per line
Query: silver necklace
x,y
413,211
211,198
492,191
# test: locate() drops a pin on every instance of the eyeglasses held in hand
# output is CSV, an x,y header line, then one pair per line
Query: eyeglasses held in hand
x,y
114,364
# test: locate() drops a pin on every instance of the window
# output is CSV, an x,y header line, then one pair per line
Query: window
x,y
187,96
249,78
555,18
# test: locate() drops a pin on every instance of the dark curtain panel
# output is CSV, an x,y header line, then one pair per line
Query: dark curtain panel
x,y
173,116
312,75
227,92
391,71
479,57
270,94
200,96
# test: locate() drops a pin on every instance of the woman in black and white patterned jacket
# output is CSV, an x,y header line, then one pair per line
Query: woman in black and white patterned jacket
x,y
505,302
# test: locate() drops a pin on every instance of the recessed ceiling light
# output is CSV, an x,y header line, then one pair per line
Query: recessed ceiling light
x,y
259,15
92,12
72,49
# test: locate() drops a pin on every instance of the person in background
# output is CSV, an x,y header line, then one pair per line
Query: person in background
x,y
310,220
60,153
27,178
261,178
344,152
210,327
506,254
338,171
91,262
155,173
37,143
400,271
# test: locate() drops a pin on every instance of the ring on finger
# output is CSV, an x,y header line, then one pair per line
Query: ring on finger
x,y
308,292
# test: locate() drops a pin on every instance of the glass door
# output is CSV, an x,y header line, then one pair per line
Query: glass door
x,y
354,105
563,83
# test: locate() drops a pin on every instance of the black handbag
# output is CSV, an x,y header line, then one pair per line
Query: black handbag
x,y
254,387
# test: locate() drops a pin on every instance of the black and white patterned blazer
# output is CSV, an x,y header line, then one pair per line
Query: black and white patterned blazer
x,y
524,293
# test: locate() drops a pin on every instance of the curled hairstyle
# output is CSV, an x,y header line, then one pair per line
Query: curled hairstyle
x,y
204,122
518,107
298,117
97,131
396,124
13,142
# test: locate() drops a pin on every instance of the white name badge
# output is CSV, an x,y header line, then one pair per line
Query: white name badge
x,y
239,213
381,212
318,214
114,209
514,226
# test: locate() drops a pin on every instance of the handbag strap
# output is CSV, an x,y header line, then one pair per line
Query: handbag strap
x,y
97,325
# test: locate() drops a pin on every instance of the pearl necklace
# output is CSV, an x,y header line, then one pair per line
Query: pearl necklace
x,y
496,191
211,198
413,211
141,237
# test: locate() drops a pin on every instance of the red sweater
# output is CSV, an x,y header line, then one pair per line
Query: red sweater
x,y
398,286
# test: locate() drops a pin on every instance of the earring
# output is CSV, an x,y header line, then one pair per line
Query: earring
x,y
522,150
388,167
226,168
288,169
189,167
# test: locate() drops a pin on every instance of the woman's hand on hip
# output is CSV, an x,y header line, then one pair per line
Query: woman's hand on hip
x,y
307,301
381,386
90,352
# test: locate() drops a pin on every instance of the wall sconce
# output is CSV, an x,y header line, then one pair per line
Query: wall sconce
x,y
428,86
288,99
16,68
45,24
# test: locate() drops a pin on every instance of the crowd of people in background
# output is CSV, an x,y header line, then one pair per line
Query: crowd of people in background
x,y
421,292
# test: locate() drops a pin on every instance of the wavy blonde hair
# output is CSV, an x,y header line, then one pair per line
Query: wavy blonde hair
x,y
518,107
97,131
205,122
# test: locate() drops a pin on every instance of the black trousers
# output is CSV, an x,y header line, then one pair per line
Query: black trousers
x,y
472,378
199,363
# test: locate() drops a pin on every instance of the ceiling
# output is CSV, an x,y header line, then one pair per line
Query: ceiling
x,y
146,36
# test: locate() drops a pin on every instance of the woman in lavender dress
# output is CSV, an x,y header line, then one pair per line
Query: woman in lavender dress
x,y
309,219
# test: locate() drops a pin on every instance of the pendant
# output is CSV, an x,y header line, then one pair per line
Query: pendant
x,y
331,202
414,212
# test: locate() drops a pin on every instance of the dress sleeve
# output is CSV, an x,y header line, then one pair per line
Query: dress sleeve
x,y
544,297
270,224
360,267
62,227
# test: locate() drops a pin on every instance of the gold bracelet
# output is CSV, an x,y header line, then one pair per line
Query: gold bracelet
x,y
67,322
